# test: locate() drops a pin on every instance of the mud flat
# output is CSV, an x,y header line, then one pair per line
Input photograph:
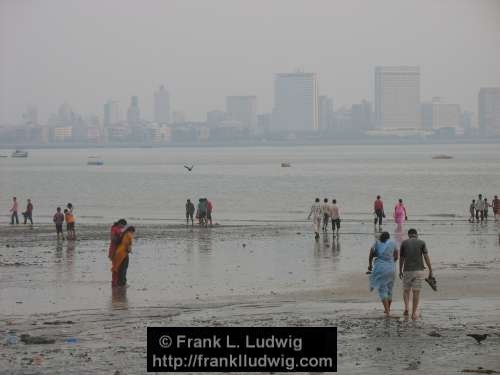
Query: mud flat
x,y
58,293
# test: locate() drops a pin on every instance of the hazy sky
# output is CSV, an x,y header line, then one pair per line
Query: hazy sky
x,y
87,51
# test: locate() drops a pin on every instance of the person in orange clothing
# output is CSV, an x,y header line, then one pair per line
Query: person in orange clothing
x,y
70,224
120,257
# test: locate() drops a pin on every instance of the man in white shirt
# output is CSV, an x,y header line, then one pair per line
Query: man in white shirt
x,y
335,215
480,208
315,213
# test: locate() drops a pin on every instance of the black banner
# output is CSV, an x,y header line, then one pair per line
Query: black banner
x,y
242,349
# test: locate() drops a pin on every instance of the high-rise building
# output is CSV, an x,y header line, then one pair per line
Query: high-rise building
x,y
111,113
242,109
445,115
162,106
325,112
295,102
397,97
489,110
134,113
30,116
361,116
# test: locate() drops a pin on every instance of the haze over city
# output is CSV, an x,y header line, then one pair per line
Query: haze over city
x,y
86,52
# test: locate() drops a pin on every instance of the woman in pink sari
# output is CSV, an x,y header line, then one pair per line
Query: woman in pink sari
x,y
400,213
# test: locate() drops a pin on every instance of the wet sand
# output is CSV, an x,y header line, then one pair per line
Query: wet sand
x,y
258,275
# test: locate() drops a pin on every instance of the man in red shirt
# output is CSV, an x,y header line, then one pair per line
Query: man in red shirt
x,y
378,209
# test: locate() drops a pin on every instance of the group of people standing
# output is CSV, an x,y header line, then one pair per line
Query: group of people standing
x,y
479,208
324,213
203,212
59,218
27,214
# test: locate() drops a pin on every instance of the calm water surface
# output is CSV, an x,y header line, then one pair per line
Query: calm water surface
x,y
249,183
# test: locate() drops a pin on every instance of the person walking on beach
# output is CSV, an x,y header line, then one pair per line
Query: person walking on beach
x,y
479,208
115,238
412,255
496,207
335,216
28,214
189,212
210,208
121,257
486,209
70,224
325,211
378,209
385,253
13,211
315,213
400,215
58,220
472,209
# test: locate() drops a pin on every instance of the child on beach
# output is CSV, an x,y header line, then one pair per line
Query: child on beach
x,y
70,224
472,209
325,210
58,220
335,215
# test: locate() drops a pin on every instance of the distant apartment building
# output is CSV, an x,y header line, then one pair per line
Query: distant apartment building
x,y
30,116
215,117
242,109
445,115
133,112
325,112
489,110
178,117
361,116
111,113
397,97
295,102
162,106
63,133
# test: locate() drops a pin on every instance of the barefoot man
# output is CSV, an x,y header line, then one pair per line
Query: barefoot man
x,y
413,252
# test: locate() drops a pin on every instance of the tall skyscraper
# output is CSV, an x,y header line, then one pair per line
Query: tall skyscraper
x,y
397,97
489,110
295,102
162,106
134,113
325,114
111,113
242,109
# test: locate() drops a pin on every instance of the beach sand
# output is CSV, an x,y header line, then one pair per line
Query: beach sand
x,y
254,275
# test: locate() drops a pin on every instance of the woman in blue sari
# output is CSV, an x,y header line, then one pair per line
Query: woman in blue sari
x,y
382,274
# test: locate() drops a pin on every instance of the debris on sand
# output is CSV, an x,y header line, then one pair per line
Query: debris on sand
x,y
36,340
58,322
480,370
434,334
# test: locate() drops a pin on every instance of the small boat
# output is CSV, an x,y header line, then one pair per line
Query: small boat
x,y
94,160
285,164
442,157
19,154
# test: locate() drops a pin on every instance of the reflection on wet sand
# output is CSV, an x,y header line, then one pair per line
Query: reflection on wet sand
x,y
119,298
205,240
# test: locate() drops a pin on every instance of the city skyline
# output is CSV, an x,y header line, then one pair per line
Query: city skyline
x,y
117,55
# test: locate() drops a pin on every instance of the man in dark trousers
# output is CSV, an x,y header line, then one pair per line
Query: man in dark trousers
x,y
413,253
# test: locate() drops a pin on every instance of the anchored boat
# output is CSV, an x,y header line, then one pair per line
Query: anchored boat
x,y
94,160
19,154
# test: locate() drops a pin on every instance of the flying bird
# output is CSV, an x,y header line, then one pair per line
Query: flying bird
x,y
189,168
478,337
